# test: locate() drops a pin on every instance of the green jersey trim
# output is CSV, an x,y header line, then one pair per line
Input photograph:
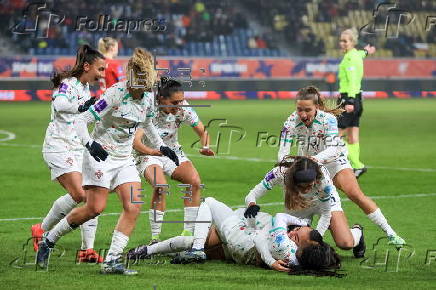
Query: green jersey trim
x,y
96,117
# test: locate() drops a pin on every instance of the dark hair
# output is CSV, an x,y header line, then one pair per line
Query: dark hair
x,y
312,93
167,87
318,259
293,166
85,53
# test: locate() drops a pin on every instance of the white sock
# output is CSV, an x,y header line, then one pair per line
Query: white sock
x,y
59,230
119,242
60,208
88,230
379,219
190,215
173,245
357,234
202,229
155,222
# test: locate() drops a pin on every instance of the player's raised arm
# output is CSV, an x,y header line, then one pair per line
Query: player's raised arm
x,y
287,136
200,130
94,113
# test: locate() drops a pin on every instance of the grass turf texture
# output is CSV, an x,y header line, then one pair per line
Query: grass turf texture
x,y
395,134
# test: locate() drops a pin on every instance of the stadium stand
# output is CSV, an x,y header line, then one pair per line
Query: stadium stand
x,y
222,28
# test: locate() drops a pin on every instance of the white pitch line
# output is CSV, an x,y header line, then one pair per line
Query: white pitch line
x,y
242,205
251,159
274,161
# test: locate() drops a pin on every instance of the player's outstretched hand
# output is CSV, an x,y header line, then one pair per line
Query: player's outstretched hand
x,y
207,152
251,211
96,151
87,104
370,49
168,152
280,266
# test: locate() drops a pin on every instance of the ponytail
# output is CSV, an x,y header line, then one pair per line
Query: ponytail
x,y
85,53
312,93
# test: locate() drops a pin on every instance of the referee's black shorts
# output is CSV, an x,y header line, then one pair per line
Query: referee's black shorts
x,y
347,120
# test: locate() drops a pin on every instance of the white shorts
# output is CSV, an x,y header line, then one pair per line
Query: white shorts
x,y
167,165
60,163
308,213
337,165
109,173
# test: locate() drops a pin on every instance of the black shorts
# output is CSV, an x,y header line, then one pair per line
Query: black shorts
x,y
347,120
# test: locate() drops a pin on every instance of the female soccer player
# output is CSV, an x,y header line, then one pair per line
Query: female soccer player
x,y
315,131
309,191
121,109
350,78
243,244
173,110
62,150
108,46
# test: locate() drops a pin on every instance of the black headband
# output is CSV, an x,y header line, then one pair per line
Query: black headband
x,y
305,176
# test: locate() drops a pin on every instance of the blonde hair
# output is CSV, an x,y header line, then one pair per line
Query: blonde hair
x,y
140,69
105,43
353,33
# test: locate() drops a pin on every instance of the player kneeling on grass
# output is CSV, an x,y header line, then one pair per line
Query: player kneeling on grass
x,y
309,191
314,128
62,150
110,166
172,111
268,243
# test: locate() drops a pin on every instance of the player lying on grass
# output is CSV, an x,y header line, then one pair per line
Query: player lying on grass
x,y
315,130
169,116
309,191
62,150
268,242
110,166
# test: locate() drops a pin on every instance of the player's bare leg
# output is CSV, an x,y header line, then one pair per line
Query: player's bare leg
x,y
346,181
187,174
155,175
346,238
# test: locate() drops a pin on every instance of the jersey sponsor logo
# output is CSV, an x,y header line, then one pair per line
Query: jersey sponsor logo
x,y
100,105
98,174
63,88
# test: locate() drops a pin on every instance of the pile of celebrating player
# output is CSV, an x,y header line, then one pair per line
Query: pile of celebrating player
x,y
135,135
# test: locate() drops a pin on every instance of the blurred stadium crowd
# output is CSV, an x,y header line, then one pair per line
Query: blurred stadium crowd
x,y
224,28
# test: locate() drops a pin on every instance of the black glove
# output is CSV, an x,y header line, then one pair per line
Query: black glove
x,y
87,104
96,151
251,211
168,152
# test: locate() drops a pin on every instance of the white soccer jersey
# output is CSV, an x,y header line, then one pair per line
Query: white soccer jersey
x,y
269,238
321,140
60,135
120,115
168,124
273,242
319,197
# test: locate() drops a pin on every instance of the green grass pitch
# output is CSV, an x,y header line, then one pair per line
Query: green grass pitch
x,y
397,143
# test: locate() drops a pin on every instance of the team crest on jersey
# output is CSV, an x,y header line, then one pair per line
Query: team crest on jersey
x,y
69,161
98,174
